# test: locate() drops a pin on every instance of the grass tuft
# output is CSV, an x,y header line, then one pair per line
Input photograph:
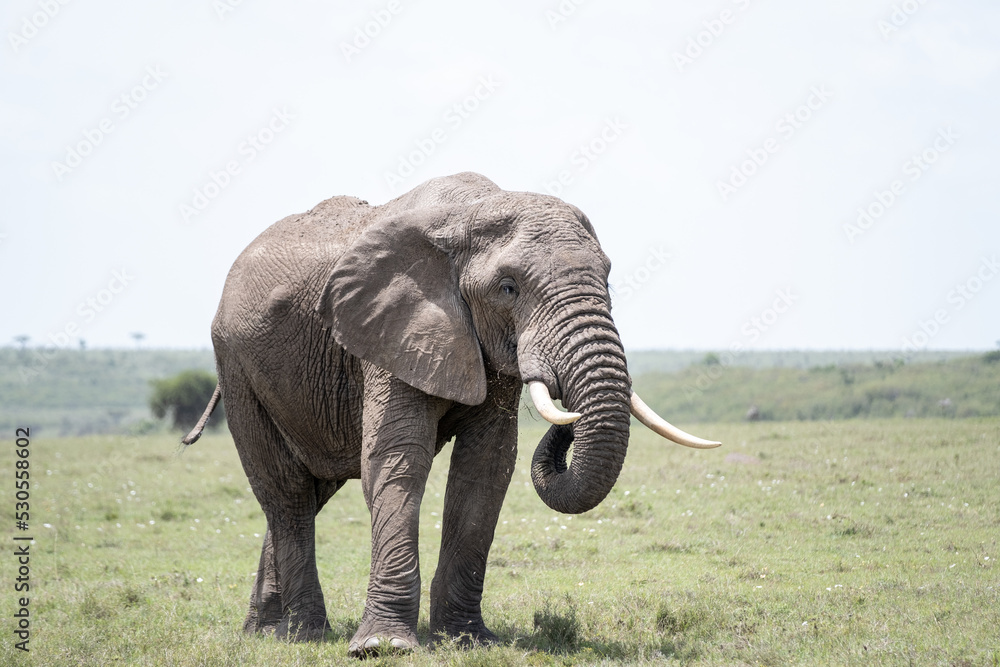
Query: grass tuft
x,y
557,630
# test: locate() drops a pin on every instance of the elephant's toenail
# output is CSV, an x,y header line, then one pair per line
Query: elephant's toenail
x,y
373,642
400,643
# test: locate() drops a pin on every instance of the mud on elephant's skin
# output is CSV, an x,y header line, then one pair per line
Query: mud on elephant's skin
x,y
354,341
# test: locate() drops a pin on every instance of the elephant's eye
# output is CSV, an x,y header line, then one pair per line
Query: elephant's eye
x,y
508,288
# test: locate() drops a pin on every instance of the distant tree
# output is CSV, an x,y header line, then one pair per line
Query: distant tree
x,y
22,340
183,397
711,359
138,337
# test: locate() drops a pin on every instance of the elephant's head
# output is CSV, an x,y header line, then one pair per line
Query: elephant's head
x,y
437,293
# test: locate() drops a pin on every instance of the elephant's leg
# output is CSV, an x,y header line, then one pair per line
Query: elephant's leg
x,y
265,610
482,462
400,427
286,595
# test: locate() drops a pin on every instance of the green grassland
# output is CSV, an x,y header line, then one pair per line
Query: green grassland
x,y
709,392
819,543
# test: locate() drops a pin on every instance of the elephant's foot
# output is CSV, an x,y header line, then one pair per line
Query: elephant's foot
x,y
468,633
254,626
264,619
374,638
302,628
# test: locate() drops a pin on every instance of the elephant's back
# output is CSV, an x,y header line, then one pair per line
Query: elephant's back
x,y
284,270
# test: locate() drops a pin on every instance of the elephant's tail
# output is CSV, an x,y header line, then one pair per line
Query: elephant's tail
x,y
195,433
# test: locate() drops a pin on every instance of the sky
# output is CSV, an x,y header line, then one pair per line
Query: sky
x,y
763,175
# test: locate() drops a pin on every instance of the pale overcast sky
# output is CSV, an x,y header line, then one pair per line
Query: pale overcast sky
x,y
723,151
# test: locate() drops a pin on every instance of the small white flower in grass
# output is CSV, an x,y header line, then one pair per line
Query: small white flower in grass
x,y
192,528
627,492
760,587
118,525
256,534
580,584
952,565
562,527
197,520
986,558
217,530
805,622
505,523
151,522
199,580
547,527
49,525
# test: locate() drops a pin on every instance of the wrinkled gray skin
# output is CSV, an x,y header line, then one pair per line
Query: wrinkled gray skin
x,y
354,341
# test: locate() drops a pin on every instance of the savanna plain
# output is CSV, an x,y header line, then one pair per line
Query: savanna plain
x,y
819,543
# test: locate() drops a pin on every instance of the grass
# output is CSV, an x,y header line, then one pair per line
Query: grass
x,y
796,543
963,387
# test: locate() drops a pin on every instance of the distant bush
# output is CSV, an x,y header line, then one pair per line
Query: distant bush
x,y
184,397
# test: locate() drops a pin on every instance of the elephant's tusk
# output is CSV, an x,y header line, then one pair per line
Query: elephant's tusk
x,y
659,425
546,408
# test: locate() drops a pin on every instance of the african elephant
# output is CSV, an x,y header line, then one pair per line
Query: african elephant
x,y
354,341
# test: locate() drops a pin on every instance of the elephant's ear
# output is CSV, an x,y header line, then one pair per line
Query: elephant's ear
x,y
393,299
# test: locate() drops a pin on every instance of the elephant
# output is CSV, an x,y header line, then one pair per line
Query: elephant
x,y
354,341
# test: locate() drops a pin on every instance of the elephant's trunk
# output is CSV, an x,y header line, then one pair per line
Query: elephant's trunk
x,y
595,383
